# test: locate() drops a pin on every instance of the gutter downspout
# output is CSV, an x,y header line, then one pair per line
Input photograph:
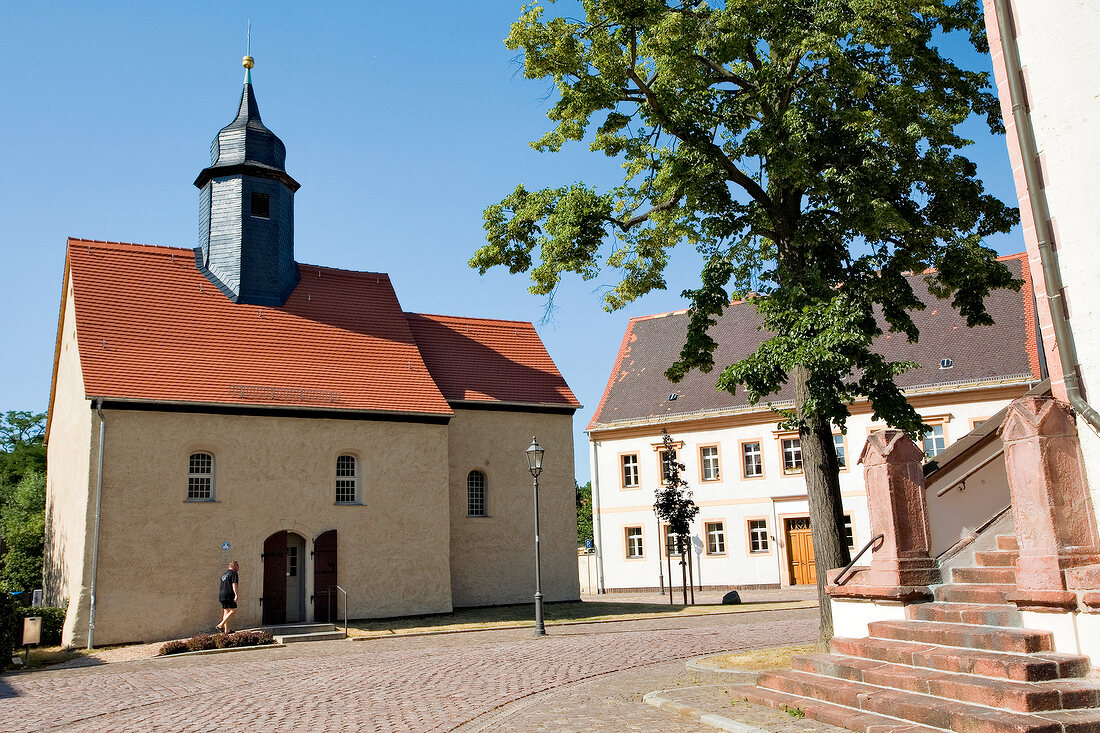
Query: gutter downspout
x,y
98,504
593,458
1040,212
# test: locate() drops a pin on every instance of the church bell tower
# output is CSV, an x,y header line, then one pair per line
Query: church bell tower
x,y
246,210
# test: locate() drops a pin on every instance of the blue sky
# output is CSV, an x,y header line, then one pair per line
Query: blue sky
x,y
402,122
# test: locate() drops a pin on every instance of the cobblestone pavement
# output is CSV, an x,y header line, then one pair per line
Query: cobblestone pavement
x,y
584,678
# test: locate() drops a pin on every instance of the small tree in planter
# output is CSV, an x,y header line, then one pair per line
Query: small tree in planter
x,y
673,503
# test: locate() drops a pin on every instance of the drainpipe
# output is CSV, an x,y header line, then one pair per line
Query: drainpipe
x,y
593,459
1040,212
98,503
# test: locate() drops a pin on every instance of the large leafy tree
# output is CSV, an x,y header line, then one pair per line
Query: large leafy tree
x,y
808,148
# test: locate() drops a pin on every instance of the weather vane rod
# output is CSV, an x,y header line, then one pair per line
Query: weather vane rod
x,y
248,62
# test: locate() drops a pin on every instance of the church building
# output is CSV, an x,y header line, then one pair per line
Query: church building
x,y
228,402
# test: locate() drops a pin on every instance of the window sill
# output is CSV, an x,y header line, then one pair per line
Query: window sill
x,y
200,501
347,503
479,516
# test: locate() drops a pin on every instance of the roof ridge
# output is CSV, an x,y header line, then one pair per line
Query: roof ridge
x,y
99,243
479,319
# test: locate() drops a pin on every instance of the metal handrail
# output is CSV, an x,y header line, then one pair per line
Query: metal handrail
x,y
960,482
345,606
873,540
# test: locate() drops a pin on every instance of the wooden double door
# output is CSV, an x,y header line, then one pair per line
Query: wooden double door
x,y
285,559
800,551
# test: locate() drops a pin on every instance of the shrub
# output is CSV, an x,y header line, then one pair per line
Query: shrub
x,y
203,642
200,642
10,630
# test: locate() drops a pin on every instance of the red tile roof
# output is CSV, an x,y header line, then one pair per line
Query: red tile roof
x,y
150,327
479,360
637,388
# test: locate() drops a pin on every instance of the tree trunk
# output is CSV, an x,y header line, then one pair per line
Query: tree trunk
x,y
820,469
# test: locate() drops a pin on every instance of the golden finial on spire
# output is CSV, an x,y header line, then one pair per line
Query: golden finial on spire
x,y
248,62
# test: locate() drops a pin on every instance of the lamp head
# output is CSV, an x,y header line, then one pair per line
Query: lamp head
x,y
534,457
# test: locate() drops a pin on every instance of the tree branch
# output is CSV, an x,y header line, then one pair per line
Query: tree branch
x,y
704,143
724,73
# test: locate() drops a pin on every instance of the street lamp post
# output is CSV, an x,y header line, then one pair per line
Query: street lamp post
x,y
534,463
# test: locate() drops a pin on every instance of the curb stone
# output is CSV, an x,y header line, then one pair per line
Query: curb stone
x,y
718,721
553,624
698,665
219,651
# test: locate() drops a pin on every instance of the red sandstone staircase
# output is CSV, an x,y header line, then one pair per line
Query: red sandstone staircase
x,y
961,663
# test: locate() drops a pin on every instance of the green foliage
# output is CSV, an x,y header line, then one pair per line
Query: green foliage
x,y
10,618
22,525
21,448
673,503
808,150
584,512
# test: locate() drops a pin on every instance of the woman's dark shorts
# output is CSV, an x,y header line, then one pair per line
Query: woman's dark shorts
x,y
229,604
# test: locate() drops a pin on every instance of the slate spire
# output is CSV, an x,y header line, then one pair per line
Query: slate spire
x,y
246,209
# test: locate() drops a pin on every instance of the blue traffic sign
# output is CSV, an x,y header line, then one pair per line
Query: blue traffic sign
x,y
225,547
588,544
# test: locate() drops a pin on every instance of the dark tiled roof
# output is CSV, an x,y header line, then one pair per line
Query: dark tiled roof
x,y
480,360
638,390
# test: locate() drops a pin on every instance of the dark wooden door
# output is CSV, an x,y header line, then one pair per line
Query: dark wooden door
x,y
324,577
274,598
800,552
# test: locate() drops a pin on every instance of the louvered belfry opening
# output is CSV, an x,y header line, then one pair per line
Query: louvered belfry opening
x,y
246,211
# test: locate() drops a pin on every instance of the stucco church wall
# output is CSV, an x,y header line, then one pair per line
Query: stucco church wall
x,y
73,442
492,558
160,555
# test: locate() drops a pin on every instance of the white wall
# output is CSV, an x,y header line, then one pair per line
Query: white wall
x,y
733,500
1057,42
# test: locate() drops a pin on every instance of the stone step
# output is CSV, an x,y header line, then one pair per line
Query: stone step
x,y
1007,542
997,558
965,613
986,593
309,636
984,575
302,628
968,636
823,712
1023,667
922,709
1025,697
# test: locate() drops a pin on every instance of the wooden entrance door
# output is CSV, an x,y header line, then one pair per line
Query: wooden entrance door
x,y
800,552
324,576
274,598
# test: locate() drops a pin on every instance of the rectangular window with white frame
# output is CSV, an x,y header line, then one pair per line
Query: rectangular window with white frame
x,y
716,538
849,532
630,471
841,451
708,461
758,536
792,455
634,547
752,459
667,458
935,441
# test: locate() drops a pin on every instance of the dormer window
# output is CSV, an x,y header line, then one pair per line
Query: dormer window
x,y
261,205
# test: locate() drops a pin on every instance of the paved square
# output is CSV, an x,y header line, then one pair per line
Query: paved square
x,y
579,678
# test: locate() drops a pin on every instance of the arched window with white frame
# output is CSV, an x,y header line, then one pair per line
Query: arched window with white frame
x,y
347,479
200,477
475,494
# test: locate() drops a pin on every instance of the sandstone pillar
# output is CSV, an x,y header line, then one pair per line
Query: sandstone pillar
x,y
1050,500
894,476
